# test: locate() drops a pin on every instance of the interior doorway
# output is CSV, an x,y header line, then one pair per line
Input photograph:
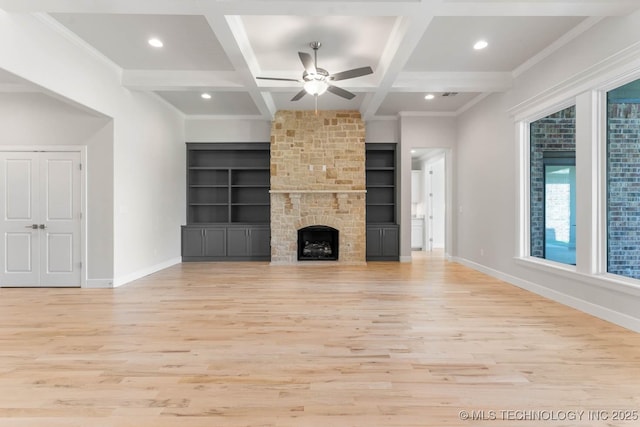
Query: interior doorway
x,y
41,219
429,195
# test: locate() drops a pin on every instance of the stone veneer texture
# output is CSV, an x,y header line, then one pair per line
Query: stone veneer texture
x,y
331,143
623,189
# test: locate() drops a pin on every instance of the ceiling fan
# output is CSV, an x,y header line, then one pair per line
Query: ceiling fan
x,y
318,80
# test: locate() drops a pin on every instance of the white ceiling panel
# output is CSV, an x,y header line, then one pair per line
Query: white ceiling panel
x,y
347,41
447,44
221,103
189,42
398,102
328,101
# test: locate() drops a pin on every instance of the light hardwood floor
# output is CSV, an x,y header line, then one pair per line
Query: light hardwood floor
x,y
249,344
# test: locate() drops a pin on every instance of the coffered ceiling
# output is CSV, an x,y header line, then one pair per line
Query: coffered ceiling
x,y
415,48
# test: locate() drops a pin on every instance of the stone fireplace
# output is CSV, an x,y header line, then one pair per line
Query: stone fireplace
x,y
318,243
318,178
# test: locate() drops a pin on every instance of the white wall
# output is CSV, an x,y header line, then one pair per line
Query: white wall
x,y
148,140
227,130
203,129
34,118
487,173
486,184
382,131
150,183
100,231
421,132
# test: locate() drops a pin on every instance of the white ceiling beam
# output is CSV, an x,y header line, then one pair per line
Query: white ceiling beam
x,y
160,7
200,7
324,8
182,79
536,8
403,40
280,86
233,38
328,8
452,82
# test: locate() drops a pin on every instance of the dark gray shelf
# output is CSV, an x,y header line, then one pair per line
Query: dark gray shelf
x,y
228,202
381,203
227,175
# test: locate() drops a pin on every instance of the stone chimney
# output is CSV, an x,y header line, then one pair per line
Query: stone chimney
x,y
318,178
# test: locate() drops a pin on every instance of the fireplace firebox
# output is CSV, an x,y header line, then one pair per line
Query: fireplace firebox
x,y
318,243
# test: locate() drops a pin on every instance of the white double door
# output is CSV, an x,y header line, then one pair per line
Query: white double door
x,y
41,219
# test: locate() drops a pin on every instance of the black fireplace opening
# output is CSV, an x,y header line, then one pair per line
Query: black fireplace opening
x,y
318,243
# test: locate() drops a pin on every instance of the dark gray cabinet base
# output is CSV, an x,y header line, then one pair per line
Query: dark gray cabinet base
x,y
383,243
226,243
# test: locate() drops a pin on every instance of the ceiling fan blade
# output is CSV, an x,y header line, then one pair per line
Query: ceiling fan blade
x,y
341,92
307,62
350,74
278,79
299,95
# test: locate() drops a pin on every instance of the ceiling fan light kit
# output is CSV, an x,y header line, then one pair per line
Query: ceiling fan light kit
x,y
318,80
316,87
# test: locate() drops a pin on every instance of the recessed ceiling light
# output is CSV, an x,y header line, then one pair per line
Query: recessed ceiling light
x,y
429,97
413,151
480,44
205,96
156,42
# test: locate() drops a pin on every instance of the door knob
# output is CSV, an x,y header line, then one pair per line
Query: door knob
x,y
42,226
34,226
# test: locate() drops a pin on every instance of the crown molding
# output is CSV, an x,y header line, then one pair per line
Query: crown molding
x,y
601,73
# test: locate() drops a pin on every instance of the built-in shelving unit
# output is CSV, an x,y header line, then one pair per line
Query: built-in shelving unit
x,y
381,207
227,187
228,183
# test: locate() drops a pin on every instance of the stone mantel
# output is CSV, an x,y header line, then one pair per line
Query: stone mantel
x,y
315,191
295,196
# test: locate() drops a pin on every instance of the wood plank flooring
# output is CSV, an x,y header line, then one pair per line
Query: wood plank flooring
x,y
249,344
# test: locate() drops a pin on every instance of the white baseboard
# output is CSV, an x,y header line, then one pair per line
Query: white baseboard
x,y
123,280
98,284
405,258
599,311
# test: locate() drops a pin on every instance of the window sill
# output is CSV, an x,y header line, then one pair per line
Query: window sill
x,y
605,280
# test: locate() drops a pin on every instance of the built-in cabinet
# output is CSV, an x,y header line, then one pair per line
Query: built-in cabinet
x,y
383,243
248,241
383,234
417,233
212,243
228,204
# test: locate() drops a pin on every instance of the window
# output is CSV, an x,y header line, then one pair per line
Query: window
x,y
560,206
623,180
552,206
